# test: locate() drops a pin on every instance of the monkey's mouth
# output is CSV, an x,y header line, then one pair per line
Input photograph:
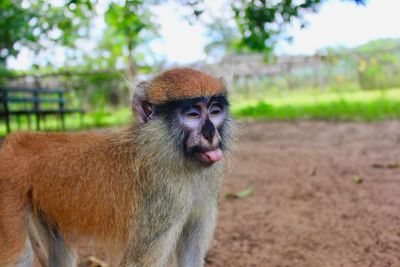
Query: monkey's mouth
x,y
210,156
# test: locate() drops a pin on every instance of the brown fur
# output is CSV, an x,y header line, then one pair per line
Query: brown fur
x,y
182,83
75,181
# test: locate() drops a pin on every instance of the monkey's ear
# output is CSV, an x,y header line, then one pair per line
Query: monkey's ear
x,y
142,108
222,80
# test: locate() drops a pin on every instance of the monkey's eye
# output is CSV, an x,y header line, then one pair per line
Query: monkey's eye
x,y
192,113
216,108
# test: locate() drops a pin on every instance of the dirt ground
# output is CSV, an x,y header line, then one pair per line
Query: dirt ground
x,y
325,194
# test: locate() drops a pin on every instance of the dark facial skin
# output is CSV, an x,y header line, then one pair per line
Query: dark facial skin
x,y
200,122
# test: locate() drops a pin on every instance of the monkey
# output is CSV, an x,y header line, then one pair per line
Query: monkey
x,y
148,192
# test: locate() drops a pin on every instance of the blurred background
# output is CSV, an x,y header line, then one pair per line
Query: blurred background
x,y
282,59
314,84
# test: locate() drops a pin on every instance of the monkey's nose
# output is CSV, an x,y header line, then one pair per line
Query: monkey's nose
x,y
208,131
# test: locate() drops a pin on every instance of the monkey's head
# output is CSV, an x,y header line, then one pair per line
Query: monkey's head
x,y
194,107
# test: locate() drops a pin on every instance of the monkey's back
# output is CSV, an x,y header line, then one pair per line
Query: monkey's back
x,y
73,181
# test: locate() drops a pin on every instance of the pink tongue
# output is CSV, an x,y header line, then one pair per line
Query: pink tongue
x,y
214,155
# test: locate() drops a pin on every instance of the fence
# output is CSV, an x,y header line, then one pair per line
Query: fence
x,y
376,69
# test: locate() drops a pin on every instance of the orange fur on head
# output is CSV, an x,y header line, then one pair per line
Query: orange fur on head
x,y
182,83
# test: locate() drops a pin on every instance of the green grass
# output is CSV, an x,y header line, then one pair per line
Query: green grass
x,y
341,105
97,119
277,105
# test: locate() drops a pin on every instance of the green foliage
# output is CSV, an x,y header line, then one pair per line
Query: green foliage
x,y
95,90
371,47
98,78
379,70
262,23
34,23
4,72
129,25
28,23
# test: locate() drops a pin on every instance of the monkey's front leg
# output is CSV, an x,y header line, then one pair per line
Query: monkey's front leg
x,y
195,238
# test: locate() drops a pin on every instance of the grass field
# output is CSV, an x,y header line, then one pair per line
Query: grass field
x,y
278,105
331,105
90,120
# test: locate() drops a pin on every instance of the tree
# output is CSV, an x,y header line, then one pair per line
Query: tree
x,y
261,23
29,23
129,24
129,28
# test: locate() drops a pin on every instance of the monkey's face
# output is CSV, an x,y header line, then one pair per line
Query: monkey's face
x,y
193,108
202,120
197,126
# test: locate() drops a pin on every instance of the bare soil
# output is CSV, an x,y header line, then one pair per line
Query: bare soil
x,y
325,194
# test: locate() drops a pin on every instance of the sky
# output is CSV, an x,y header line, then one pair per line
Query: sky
x,y
341,23
337,23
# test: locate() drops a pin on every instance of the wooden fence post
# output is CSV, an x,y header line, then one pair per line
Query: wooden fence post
x,y
36,109
6,110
